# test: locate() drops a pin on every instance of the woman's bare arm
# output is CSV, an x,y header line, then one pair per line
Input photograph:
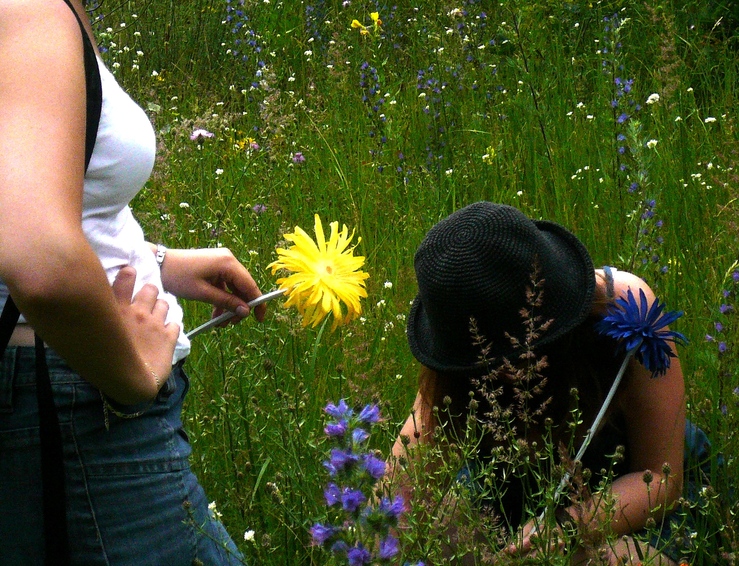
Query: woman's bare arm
x,y
51,271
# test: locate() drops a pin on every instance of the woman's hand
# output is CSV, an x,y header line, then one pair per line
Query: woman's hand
x,y
144,317
212,276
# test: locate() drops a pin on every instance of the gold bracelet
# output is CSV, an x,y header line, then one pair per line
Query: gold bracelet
x,y
107,407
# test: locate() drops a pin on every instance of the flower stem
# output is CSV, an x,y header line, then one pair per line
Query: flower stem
x,y
597,421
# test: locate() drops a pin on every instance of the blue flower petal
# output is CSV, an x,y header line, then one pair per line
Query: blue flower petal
x,y
639,326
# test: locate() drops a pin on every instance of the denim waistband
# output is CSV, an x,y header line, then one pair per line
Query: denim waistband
x,y
19,364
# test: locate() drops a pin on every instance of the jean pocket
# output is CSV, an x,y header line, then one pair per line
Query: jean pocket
x,y
169,387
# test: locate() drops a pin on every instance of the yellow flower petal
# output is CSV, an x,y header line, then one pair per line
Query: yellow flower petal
x,y
325,276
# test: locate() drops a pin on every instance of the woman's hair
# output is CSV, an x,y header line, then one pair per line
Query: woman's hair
x,y
530,390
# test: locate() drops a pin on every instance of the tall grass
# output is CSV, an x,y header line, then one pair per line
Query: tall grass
x,y
444,104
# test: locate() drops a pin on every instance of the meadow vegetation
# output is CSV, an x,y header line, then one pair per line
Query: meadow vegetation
x,y
615,118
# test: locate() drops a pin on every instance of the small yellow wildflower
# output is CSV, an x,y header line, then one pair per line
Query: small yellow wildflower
x,y
489,157
324,275
363,29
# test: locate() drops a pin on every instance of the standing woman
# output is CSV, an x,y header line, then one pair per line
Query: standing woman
x,y
102,300
478,264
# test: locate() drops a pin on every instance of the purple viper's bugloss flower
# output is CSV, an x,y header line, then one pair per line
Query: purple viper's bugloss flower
x,y
321,533
359,435
336,429
374,466
332,493
370,414
358,556
340,411
392,507
389,547
340,460
352,499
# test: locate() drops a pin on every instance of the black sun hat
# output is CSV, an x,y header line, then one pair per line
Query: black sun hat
x,y
477,263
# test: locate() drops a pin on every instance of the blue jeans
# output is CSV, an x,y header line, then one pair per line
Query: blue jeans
x,y
131,496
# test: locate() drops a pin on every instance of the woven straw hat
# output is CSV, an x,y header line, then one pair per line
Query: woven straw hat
x,y
477,263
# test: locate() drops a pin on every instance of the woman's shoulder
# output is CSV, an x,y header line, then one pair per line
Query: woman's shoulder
x,y
36,28
40,53
618,283
624,281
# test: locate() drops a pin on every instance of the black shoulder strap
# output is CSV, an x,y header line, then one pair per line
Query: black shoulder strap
x,y
94,89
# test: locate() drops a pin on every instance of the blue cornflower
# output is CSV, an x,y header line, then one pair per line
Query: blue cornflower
x,y
639,328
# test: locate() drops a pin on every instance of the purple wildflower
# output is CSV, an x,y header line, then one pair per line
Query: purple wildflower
x,y
259,208
298,157
392,507
374,466
321,533
337,428
389,547
359,435
370,414
332,493
358,556
340,411
340,460
351,499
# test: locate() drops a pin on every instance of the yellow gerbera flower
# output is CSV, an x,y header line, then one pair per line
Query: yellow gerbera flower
x,y
324,275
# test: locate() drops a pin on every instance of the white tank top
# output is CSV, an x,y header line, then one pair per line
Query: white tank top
x,y
121,163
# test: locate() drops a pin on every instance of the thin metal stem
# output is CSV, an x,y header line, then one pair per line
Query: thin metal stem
x,y
596,422
228,315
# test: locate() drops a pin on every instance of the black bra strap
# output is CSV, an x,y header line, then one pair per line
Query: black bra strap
x,y
610,290
94,89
